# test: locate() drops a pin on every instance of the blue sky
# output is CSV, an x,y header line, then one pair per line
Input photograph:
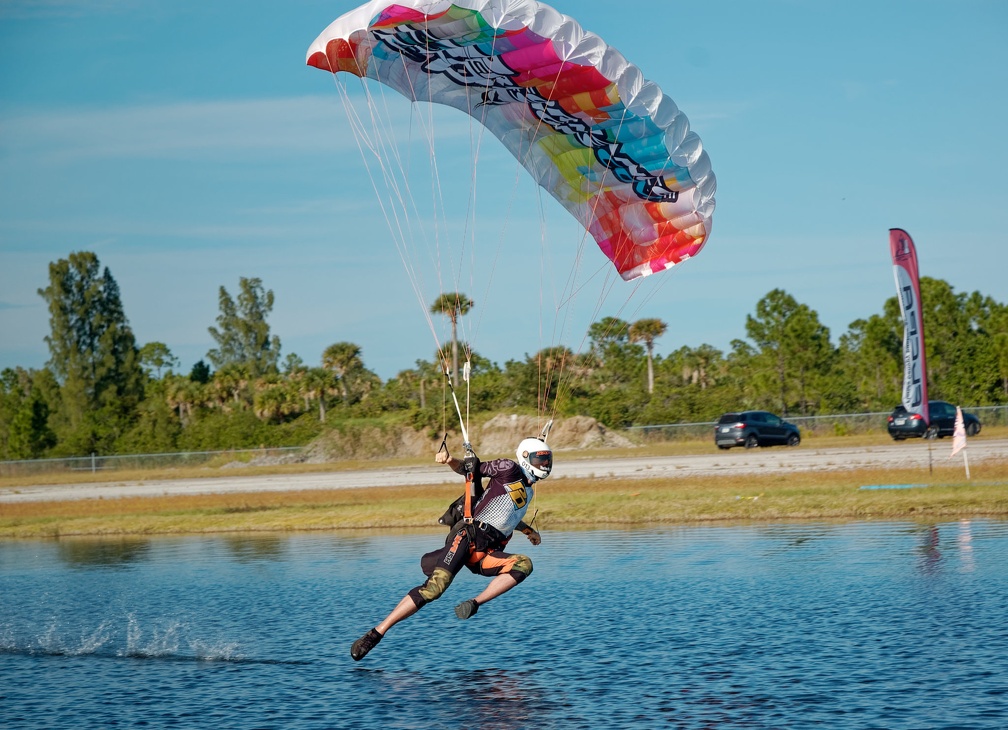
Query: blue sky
x,y
188,145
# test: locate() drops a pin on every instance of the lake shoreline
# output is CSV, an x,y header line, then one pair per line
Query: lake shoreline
x,y
941,494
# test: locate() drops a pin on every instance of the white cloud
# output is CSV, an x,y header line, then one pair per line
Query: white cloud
x,y
21,9
59,136
303,125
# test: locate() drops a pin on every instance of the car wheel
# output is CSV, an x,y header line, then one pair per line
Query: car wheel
x,y
723,447
793,440
751,441
931,433
973,429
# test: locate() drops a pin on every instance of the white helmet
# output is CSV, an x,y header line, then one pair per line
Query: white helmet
x,y
535,457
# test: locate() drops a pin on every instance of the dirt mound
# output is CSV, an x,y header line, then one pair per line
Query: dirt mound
x,y
497,437
367,442
501,434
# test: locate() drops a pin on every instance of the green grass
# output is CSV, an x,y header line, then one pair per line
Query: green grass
x,y
562,504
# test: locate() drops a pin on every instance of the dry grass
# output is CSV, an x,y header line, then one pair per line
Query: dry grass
x,y
563,503
665,448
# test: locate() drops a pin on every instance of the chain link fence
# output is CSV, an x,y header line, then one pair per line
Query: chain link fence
x,y
843,424
833,425
141,462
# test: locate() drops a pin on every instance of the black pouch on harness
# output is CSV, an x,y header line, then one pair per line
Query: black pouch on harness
x,y
453,514
430,560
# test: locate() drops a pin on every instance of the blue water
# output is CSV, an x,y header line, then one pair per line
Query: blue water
x,y
864,625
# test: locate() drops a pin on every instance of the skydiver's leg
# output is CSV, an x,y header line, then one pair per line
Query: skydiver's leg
x,y
501,584
406,608
507,571
450,561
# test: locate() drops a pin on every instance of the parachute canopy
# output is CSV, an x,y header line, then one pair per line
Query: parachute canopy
x,y
609,145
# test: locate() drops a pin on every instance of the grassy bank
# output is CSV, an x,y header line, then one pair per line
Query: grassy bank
x,y
563,503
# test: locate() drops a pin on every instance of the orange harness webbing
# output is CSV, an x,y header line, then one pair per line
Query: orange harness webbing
x,y
467,507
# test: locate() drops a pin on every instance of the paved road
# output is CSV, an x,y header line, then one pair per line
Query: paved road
x,y
736,461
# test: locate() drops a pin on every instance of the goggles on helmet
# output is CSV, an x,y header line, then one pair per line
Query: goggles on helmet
x,y
541,459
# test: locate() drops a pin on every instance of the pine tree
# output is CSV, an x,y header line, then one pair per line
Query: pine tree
x,y
243,334
93,355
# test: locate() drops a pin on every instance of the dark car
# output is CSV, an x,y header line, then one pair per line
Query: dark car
x,y
754,428
905,425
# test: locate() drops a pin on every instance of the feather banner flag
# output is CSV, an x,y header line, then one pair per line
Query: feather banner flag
x,y
959,434
959,438
904,258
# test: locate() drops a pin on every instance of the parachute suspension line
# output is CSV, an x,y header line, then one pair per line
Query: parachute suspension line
x,y
475,94
610,280
437,195
374,144
638,283
407,255
476,145
545,379
438,209
437,191
558,364
548,351
405,202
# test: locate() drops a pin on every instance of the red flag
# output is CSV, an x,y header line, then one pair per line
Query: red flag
x,y
904,257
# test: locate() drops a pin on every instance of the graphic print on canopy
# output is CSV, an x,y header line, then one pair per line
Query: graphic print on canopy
x,y
613,149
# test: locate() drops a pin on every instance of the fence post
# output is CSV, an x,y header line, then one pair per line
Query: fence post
x,y
93,462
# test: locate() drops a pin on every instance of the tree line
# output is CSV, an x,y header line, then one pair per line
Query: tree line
x,y
102,392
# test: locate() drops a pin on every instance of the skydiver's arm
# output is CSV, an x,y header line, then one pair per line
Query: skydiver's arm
x,y
530,532
454,464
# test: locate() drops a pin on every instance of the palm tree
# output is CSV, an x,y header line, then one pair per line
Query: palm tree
x,y
230,383
182,394
270,400
647,331
175,395
317,383
453,305
341,359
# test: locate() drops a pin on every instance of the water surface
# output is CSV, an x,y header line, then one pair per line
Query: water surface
x,y
861,625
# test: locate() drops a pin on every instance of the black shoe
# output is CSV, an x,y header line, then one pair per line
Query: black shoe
x,y
365,644
466,608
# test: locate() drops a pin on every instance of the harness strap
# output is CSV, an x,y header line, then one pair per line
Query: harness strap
x,y
467,505
471,463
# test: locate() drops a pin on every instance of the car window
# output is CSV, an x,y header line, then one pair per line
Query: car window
x,y
942,410
755,417
729,418
773,420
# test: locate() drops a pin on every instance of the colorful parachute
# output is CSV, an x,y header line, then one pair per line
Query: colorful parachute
x,y
610,146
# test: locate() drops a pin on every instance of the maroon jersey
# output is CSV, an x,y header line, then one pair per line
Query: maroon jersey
x,y
507,493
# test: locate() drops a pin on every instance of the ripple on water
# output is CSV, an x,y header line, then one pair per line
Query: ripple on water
x,y
895,625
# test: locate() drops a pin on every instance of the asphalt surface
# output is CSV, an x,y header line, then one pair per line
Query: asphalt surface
x,y
907,454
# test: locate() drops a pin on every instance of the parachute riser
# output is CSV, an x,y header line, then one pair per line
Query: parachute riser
x,y
470,461
458,410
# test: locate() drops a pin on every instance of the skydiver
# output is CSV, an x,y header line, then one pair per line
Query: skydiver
x,y
479,544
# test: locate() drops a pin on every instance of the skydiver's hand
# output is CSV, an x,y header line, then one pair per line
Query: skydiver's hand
x,y
442,457
534,537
